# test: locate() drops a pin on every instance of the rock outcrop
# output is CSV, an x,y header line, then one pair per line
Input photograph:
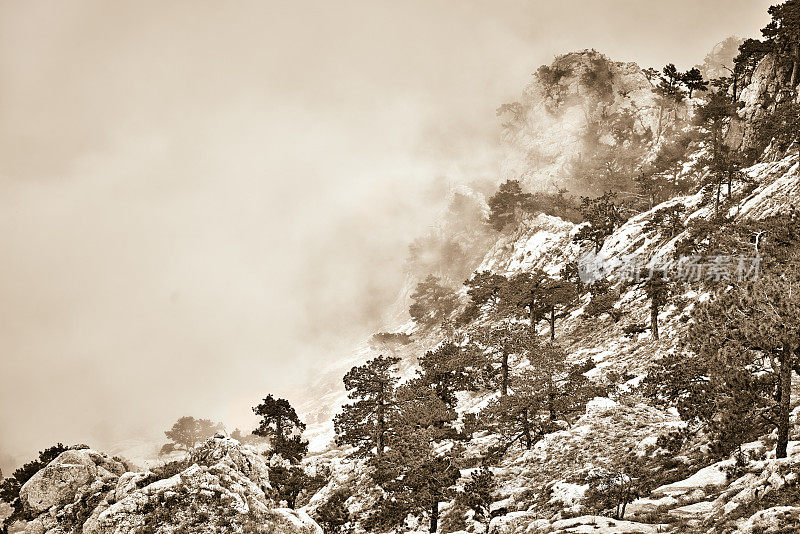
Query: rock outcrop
x,y
71,473
222,486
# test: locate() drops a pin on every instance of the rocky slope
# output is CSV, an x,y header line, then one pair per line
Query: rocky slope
x,y
222,486
544,489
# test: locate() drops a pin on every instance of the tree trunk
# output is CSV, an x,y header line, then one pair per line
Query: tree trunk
x,y
435,515
552,323
381,424
785,385
526,429
504,384
625,498
730,183
654,320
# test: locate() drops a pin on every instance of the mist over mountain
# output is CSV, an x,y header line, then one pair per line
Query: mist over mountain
x,y
297,271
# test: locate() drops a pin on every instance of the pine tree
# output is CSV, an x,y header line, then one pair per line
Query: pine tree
x,y
483,290
289,482
668,221
758,322
514,417
657,288
742,348
714,115
603,299
783,32
548,389
508,205
523,295
670,84
558,296
603,216
562,387
279,422
450,369
478,492
188,432
332,515
433,302
501,342
415,473
365,423
693,80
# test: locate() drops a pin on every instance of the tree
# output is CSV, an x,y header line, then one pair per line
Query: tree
x,y
735,372
514,417
290,482
670,84
657,289
508,205
483,288
780,128
668,221
333,515
558,296
751,52
604,298
614,488
651,74
365,423
432,302
783,32
714,114
415,473
478,491
761,323
523,295
562,387
279,421
505,340
188,432
549,388
603,217
450,369
693,80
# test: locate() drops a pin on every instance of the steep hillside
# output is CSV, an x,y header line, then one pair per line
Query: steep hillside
x,y
508,416
552,486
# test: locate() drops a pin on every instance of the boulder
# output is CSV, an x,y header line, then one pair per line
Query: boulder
x,y
70,474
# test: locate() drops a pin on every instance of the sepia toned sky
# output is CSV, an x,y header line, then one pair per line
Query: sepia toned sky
x,y
204,202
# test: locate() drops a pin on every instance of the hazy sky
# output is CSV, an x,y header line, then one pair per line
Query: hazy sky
x,y
203,202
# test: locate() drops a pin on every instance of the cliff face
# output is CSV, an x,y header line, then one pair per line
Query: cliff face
x,y
576,110
768,86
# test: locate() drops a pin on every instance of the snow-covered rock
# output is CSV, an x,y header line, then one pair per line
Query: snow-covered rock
x,y
222,486
71,473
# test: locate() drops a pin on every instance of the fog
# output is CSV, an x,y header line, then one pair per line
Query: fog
x,y
204,202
